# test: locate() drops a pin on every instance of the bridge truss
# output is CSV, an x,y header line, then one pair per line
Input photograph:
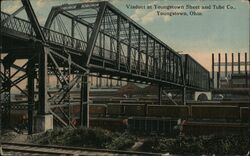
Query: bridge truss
x,y
79,40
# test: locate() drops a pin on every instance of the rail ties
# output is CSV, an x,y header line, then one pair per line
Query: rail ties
x,y
23,149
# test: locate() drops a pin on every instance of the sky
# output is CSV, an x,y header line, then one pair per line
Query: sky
x,y
216,30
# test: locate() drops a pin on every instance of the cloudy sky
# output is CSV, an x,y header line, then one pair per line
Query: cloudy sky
x,y
217,30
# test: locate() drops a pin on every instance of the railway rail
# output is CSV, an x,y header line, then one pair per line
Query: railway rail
x,y
35,149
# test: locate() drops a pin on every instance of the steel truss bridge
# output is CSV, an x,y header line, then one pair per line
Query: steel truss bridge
x,y
79,40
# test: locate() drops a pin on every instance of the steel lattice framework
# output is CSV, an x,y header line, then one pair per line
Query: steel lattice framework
x,y
87,39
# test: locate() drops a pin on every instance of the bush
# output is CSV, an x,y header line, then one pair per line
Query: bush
x,y
121,142
99,138
223,145
86,137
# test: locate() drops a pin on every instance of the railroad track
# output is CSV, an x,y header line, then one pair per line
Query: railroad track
x,y
49,150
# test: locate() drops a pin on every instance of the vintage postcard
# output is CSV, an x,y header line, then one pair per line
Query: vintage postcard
x,y
125,77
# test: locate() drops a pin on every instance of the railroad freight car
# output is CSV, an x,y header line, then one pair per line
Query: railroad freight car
x,y
97,110
171,111
244,114
115,109
195,128
236,103
113,124
134,110
220,103
215,112
151,125
138,102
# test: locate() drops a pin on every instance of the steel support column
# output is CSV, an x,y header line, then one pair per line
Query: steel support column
x,y
43,107
31,102
84,107
7,95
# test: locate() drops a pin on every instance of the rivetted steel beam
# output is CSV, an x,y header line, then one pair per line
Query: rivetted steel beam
x,y
165,64
73,24
34,22
147,57
31,94
183,75
154,59
129,49
54,11
94,34
139,52
78,6
84,107
7,94
118,46
43,108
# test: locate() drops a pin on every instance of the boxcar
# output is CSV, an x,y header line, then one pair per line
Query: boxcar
x,y
115,109
214,112
134,110
152,125
244,114
171,111
97,110
114,124
207,128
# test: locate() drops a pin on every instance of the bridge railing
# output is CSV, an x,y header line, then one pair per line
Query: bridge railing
x,y
24,26
65,40
16,24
